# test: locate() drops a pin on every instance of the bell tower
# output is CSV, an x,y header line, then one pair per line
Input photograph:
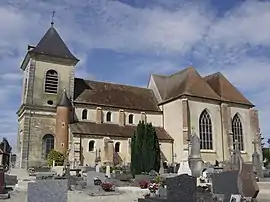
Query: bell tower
x,y
48,72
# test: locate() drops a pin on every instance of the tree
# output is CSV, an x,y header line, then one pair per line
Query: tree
x,y
268,142
145,150
56,156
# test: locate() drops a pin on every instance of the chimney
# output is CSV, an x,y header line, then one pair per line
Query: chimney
x,y
121,117
143,117
99,118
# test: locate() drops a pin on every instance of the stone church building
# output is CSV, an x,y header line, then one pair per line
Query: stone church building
x,y
91,119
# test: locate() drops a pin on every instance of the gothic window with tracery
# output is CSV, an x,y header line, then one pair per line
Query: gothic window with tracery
x,y
205,129
237,130
51,81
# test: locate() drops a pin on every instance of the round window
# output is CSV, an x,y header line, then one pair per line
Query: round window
x,y
50,102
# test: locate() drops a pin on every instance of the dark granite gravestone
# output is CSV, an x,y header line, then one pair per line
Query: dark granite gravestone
x,y
225,183
248,186
48,191
181,187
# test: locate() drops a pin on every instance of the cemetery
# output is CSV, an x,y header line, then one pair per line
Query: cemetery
x,y
191,180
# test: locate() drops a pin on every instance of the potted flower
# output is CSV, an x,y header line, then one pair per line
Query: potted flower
x,y
107,186
143,184
153,187
97,181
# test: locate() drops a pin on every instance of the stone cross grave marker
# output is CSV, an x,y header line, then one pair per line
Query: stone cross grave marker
x,y
256,161
48,191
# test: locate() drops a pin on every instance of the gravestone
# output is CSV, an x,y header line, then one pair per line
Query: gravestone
x,y
48,191
162,192
181,188
225,183
195,159
91,175
248,186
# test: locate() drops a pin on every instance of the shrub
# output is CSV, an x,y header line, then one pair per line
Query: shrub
x,y
107,186
55,156
145,150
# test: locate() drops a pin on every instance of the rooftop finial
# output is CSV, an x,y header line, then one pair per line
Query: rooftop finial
x,y
52,23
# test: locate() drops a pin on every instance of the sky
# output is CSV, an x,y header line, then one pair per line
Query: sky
x,y
124,41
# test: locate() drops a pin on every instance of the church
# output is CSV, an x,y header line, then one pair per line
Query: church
x,y
82,117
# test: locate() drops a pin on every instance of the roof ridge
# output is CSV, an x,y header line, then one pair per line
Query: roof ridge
x,y
112,83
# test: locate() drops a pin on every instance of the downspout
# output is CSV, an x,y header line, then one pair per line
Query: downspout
x,y
28,140
81,150
222,133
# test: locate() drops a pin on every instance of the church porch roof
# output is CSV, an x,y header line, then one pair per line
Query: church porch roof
x,y
112,130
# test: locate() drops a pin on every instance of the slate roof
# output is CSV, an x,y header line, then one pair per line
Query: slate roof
x,y
64,100
185,82
112,130
115,95
52,44
225,89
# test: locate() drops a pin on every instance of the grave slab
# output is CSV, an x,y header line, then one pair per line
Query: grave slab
x,y
48,191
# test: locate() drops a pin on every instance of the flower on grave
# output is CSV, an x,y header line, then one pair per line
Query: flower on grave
x,y
153,187
97,181
143,184
107,186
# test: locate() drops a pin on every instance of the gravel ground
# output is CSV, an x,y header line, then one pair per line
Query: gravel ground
x,y
75,196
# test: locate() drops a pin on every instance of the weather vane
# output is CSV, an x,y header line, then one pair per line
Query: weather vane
x,y
52,23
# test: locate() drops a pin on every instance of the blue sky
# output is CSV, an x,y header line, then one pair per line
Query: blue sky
x,y
125,41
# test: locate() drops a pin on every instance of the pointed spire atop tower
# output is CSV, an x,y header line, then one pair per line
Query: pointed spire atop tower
x,y
53,45
52,22
64,100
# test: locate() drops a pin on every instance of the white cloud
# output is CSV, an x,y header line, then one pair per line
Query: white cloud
x,y
247,24
219,44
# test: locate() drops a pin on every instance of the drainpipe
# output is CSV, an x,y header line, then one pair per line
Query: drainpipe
x,y
222,133
28,141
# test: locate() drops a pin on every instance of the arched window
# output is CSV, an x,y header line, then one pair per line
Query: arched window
x,y
237,130
47,144
117,147
91,145
130,119
51,82
109,117
84,114
206,131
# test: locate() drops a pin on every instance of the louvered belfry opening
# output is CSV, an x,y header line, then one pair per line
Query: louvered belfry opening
x,y
51,82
